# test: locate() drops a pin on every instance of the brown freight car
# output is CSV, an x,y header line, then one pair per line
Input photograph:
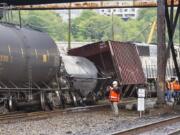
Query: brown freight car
x,y
114,58
119,60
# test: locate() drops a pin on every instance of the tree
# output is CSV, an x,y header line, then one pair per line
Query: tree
x,y
78,22
90,26
46,21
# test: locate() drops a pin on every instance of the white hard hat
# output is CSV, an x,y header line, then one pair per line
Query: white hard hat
x,y
115,83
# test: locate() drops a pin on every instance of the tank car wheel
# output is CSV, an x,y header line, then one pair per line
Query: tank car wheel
x,y
73,98
91,98
11,104
50,105
50,101
42,100
62,100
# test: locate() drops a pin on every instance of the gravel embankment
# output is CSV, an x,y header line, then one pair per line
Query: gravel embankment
x,y
82,123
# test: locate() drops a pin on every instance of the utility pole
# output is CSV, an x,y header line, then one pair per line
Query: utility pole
x,y
69,29
20,20
161,52
112,24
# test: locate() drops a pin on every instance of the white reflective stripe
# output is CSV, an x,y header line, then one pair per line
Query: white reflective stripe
x,y
113,97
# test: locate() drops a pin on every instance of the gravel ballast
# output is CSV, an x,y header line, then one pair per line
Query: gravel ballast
x,y
80,123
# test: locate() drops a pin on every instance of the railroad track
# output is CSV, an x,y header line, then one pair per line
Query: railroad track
x,y
177,132
24,116
150,126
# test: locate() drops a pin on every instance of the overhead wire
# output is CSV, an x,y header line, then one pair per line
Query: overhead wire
x,y
134,39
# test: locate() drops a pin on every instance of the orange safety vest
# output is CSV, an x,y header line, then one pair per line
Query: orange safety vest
x,y
176,86
170,85
114,96
173,86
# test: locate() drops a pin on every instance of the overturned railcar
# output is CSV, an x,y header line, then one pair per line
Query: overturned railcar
x,y
78,79
118,60
132,64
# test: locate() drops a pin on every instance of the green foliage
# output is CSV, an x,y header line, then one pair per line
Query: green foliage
x,y
93,29
147,14
46,21
90,26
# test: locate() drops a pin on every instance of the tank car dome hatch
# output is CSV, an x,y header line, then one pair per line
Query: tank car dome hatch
x,y
83,71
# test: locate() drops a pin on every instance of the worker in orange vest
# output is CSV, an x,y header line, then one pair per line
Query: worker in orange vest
x,y
169,89
114,96
171,86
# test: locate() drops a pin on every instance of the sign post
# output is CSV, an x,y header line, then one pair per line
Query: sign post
x,y
141,102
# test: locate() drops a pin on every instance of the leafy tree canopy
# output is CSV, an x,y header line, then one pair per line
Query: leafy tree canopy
x,y
46,21
91,26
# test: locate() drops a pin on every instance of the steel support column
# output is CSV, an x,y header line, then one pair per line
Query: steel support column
x,y
171,21
161,50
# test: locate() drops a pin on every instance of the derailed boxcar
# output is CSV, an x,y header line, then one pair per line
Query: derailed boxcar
x,y
116,59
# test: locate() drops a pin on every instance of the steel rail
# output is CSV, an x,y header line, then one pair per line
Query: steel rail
x,y
24,116
177,132
148,127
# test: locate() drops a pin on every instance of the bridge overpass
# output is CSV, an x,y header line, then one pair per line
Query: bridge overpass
x,y
80,4
96,5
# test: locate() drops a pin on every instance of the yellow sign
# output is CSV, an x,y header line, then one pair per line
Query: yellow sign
x,y
4,58
44,58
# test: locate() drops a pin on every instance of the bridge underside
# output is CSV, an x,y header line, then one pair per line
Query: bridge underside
x,y
32,2
82,4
